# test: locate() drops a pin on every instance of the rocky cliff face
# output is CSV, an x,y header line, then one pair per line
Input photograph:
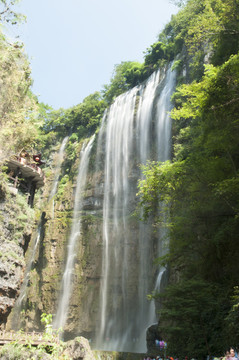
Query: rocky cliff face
x,y
43,288
16,224
45,277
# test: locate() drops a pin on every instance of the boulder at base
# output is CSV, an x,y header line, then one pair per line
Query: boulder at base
x,y
78,349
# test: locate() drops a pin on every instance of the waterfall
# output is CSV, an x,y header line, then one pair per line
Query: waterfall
x,y
145,115
66,285
57,171
128,272
119,132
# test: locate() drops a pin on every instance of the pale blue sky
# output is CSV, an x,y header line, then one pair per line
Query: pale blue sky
x,y
73,45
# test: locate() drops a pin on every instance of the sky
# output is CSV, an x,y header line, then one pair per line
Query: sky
x,y
73,45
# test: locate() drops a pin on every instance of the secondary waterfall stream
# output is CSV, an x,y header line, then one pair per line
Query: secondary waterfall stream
x,y
20,303
138,128
61,314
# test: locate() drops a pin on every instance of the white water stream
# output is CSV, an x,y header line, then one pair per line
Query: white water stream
x,y
66,284
129,248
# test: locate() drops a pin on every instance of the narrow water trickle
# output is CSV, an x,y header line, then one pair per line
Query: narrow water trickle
x,y
57,172
130,247
163,139
66,285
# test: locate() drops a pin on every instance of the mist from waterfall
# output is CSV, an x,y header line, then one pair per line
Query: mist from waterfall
x,y
66,284
129,248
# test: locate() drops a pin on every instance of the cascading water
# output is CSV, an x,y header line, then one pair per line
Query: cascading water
x,y
118,149
66,286
163,123
128,274
145,116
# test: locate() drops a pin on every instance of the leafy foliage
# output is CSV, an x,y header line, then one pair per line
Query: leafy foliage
x,y
125,76
158,53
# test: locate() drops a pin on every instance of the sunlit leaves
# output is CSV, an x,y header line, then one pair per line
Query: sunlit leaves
x,y
126,75
8,14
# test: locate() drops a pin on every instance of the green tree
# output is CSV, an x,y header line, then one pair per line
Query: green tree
x,y
125,76
83,118
159,53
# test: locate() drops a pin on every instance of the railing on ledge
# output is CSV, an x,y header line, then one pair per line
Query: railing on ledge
x,y
25,162
35,338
